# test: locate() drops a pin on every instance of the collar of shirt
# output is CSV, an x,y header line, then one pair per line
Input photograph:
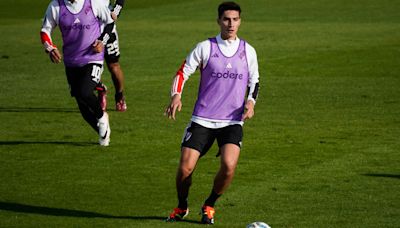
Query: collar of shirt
x,y
228,47
74,7
227,42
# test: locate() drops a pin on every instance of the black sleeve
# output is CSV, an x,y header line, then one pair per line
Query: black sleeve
x,y
106,33
119,4
253,91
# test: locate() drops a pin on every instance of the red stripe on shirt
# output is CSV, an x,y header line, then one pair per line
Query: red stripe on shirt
x,y
46,40
180,79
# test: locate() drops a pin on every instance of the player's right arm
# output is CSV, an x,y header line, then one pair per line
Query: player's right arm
x,y
50,21
198,57
175,104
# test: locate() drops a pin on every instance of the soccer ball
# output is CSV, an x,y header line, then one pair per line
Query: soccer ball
x,y
258,225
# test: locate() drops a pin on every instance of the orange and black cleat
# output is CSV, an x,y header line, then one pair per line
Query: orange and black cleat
x,y
178,215
207,215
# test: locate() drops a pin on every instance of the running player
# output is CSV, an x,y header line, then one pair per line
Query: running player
x,y
80,22
112,55
228,67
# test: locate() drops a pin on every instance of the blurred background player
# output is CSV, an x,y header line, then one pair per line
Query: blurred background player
x,y
80,24
112,55
228,67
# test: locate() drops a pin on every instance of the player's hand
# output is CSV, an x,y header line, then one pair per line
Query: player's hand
x,y
98,46
55,56
248,110
176,104
114,16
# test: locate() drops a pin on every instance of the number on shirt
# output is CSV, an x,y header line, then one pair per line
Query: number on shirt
x,y
96,73
113,48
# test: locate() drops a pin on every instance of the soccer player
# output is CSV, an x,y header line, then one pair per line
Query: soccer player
x,y
229,68
79,22
112,55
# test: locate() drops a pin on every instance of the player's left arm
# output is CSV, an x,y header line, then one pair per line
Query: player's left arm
x,y
116,12
253,83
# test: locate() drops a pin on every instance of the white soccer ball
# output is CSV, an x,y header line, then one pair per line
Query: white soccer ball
x,y
258,225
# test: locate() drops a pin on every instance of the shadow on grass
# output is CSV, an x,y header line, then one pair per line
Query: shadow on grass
x,y
40,210
382,175
43,109
19,142
37,109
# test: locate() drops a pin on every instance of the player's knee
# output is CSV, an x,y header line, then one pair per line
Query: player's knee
x,y
228,169
114,66
185,171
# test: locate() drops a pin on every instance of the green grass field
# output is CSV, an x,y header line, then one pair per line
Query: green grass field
x,y
321,151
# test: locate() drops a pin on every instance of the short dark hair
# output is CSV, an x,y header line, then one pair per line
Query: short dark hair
x,y
228,6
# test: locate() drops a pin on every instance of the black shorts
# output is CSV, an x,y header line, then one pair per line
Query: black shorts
x,y
201,138
83,80
111,49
